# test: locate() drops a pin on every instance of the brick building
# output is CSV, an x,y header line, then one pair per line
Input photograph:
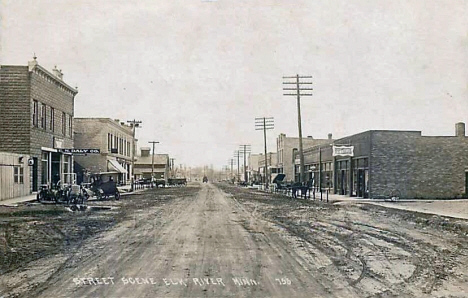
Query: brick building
x,y
113,138
144,165
36,118
378,162
287,148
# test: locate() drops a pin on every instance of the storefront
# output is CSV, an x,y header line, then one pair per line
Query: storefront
x,y
377,163
56,166
119,167
360,177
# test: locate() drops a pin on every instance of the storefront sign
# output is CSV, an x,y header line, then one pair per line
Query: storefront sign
x,y
58,143
343,150
80,151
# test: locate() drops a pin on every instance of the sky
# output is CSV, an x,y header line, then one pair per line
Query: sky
x,y
197,73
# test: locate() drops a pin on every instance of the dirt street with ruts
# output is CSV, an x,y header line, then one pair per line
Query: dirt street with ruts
x,y
219,240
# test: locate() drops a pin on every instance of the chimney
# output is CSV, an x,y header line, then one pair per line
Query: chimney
x,y
460,129
330,136
145,151
32,64
57,72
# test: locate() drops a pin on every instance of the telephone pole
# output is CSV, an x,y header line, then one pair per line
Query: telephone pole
x,y
231,161
237,154
246,149
152,162
296,91
172,166
265,123
134,124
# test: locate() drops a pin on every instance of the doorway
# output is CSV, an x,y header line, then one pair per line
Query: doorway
x,y
466,184
343,182
55,171
361,183
34,175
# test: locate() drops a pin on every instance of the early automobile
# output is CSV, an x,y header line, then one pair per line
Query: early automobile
x,y
104,186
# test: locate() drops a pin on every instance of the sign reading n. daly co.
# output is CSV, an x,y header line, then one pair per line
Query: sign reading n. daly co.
x,y
343,150
80,151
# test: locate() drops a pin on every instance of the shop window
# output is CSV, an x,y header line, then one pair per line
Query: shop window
x,y
45,168
18,175
66,169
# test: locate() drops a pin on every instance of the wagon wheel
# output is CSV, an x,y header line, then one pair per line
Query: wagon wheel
x,y
40,196
85,197
98,195
117,195
58,197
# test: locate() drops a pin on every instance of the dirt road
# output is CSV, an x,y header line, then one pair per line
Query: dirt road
x,y
236,243
203,246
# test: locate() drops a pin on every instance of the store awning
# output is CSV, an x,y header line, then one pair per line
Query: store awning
x,y
114,165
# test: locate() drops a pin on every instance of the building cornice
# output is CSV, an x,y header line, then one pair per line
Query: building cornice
x,y
41,71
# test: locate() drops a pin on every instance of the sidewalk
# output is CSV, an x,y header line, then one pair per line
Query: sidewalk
x,y
32,197
449,208
15,201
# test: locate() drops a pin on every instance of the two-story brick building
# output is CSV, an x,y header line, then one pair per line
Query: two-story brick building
x,y
36,118
113,138
378,162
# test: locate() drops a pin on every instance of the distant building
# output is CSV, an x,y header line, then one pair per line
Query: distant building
x,y
36,119
287,148
144,165
113,138
254,168
272,166
376,163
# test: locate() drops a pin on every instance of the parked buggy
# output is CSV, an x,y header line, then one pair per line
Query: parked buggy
x,y
177,181
77,195
54,194
71,193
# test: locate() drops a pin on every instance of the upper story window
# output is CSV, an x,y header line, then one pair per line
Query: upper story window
x,y
35,113
70,126
109,141
52,120
64,123
43,116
